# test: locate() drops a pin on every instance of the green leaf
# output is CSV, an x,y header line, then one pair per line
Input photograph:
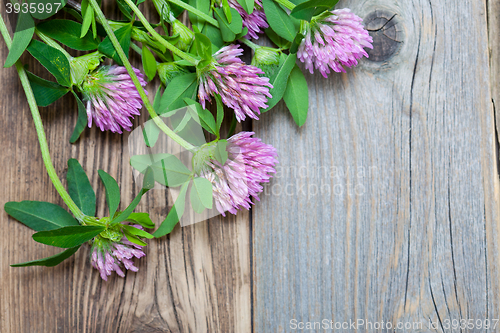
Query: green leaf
x,y
50,261
25,29
46,92
280,81
81,122
142,162
97,29
201,194
76,15
54,60
42,15
126,213
125,9
137,232
148,62
279,41
68,33
248,5
220,113
88,17
147,184
242,34
203,46
112,192
192,134
183,123
176,10
279,20
167,169
141,219
297,96
174,215
306,10
232,126
79,188
220,152
202,5
39,215
207,120
229,30
134,239
68,236
294,48
181,86
151,132
227,11
214,35
236,25
123,35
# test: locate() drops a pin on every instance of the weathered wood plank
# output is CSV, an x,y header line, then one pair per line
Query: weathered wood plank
x,y
195,280
406,146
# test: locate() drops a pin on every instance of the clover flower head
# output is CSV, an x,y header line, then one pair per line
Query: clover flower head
x,y
255,22
334,40
111,98
239,85
250,162
113,252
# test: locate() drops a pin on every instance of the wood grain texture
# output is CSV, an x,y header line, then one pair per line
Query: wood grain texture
x,y
406,148
195,280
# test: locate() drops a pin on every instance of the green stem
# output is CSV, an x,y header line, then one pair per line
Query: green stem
x,y
196,12
248,43
40,132
157,36
288,4
49,41
136,48
133,76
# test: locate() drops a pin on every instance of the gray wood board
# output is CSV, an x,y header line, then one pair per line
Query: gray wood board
x,y
406,148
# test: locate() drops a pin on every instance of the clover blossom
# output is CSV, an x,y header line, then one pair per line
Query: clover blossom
x,y
111,251
333,40
255,22
250,162
239,85
111,98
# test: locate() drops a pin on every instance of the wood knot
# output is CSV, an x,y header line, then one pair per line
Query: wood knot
x,y
387,34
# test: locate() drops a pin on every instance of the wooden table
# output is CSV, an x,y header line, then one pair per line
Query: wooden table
x,y
385,207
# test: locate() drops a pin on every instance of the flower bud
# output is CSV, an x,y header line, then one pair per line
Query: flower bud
x,y
90,220
267,59
81,66
186,36
164,10
168,71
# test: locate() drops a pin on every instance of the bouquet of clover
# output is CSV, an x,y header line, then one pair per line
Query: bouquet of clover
x,y
196,64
